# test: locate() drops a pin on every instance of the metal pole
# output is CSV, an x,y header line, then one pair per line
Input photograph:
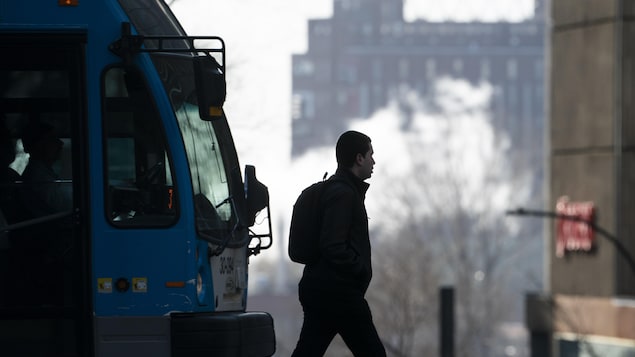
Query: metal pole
x,y
621,249
446,316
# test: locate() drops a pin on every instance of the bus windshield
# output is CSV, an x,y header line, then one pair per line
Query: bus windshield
x,y
211,156
152,17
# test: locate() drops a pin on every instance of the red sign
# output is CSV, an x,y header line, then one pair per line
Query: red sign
x,y
573,233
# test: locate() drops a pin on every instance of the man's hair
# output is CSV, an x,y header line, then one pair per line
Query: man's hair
x,y
349,145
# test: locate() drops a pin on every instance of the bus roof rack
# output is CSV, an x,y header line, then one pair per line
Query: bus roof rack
x,y
129,45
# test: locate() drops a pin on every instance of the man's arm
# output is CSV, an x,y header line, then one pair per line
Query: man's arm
x,y
335,246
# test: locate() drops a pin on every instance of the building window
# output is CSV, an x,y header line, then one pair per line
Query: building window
x,y
303,105
303,68
486,70
322,30
431,69
512,97
342,97
457,66
377,70
364,100
539,69
348,73
512,69
404,68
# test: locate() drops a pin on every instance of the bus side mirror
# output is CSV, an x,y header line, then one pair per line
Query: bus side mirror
x,y
211,88
256,195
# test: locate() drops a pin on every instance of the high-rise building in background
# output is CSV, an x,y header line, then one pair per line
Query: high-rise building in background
x,y
367,54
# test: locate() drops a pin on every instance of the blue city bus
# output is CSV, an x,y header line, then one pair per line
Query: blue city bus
x,y
126,221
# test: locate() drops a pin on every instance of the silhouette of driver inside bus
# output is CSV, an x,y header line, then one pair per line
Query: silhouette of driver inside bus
x,y
40,251
43,194
8,176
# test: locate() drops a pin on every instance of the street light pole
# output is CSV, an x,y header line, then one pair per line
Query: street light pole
x,y
611,238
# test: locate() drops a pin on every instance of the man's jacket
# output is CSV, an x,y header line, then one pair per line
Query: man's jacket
x,y
345,261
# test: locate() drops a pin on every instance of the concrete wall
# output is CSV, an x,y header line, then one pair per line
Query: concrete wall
x,y
592,137
590,308
625,274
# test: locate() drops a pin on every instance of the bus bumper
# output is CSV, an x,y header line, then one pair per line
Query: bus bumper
x,y
186,334
222,334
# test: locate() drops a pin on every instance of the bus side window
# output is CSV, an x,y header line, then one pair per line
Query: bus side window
x,y
139,191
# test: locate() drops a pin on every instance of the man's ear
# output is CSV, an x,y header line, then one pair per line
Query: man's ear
x,y
359,158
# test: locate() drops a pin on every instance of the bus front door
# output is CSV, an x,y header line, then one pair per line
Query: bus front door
x,y
44,303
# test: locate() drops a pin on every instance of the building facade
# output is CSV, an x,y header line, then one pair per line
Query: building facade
x,y
367,55
589,308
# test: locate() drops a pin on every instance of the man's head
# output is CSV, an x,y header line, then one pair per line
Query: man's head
x,y
355,153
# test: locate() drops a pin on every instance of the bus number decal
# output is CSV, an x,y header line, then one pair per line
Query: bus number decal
x,y
226,265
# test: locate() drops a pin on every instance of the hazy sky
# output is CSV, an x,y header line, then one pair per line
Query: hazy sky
x,y
261,37
468,10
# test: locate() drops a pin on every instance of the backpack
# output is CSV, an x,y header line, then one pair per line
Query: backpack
x,y
306,221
